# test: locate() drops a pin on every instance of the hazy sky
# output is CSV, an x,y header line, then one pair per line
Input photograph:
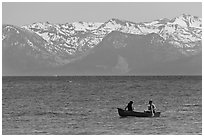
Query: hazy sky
x,y
25,13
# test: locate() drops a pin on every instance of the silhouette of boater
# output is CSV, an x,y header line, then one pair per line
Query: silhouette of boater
x,y
151,107
129,106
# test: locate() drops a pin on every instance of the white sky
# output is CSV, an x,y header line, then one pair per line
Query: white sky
x,y
21,13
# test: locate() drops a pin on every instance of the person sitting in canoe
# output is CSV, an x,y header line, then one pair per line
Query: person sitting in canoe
x,y
151,107
129,106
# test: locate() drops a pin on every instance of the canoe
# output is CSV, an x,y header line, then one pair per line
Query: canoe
x,y
125,113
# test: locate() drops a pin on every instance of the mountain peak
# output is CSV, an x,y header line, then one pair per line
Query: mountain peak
x,y
164,20
186,15
57,45
115,19
186,20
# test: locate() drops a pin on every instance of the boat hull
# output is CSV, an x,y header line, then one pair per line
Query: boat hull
x,y
125,113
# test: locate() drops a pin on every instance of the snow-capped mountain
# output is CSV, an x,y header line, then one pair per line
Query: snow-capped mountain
x,y
61,44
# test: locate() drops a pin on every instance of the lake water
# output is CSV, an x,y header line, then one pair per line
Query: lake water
x,y
88,105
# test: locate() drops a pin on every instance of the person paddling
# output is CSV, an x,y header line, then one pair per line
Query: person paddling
x,y
152,107
129,106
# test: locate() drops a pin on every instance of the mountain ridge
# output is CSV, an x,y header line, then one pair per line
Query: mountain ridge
x,y
58,45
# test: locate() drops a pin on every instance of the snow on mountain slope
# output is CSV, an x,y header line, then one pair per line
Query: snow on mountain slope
x,y
187,21
73,39
184,28
116,45
84,26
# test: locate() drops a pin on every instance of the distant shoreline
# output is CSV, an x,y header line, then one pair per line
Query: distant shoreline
x,y
114,76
